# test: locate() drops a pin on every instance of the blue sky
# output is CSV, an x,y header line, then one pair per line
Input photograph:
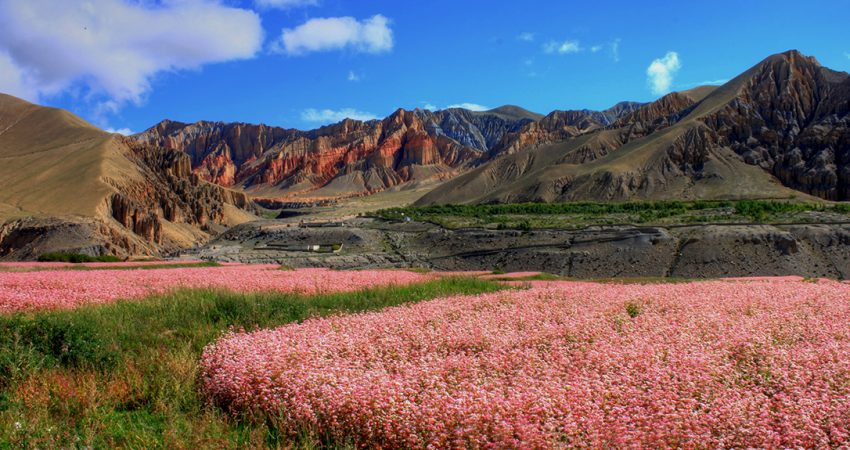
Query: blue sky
x,y
302,63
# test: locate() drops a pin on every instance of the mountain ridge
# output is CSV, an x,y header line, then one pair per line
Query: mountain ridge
x,y
779,129
350,157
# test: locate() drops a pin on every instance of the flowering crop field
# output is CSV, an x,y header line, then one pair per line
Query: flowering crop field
x,y
747,363
49,289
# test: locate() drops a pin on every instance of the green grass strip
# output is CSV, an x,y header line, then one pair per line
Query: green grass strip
x,y
643,211
124,374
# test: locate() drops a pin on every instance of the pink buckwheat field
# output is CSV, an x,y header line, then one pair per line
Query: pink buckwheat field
x,y
50,289
745,363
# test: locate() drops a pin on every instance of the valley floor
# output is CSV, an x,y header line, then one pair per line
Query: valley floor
x,y
597,251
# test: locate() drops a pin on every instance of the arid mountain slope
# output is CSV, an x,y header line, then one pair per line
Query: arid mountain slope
x,y
66,185
344,159
560,125
781,128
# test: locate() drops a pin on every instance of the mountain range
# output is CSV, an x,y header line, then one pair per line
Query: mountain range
x,y
777,130
780,129
345,159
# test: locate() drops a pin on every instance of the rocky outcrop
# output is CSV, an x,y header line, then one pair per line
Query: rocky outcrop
x,y
141,221
27,238
66,185
169,191
177,194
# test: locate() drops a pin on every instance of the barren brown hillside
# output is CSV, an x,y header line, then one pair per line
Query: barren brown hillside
x,y
780,129
66,185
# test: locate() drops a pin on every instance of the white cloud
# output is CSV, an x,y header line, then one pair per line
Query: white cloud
x,y
711,82
613,46
352,76
14,81
110,50
372,35
615,50
465,105
469,106
661,71
562,48
284,4
124,131
333,116
526,36
847,54
527,68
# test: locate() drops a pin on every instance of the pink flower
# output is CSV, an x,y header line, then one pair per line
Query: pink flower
x,y
21,291
758,363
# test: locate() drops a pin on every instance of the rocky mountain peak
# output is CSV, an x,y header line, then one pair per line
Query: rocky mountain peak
x,y
515,112
795,57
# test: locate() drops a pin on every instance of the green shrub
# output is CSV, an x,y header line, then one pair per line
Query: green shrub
x,y
640,211
633,309
75,258
50,340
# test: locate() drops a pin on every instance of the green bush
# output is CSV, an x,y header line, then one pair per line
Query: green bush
x,y
633,309
50,340
641,211
646,209
76,258
98,336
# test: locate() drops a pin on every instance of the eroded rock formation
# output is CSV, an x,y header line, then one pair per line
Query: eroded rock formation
x,y
350,157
